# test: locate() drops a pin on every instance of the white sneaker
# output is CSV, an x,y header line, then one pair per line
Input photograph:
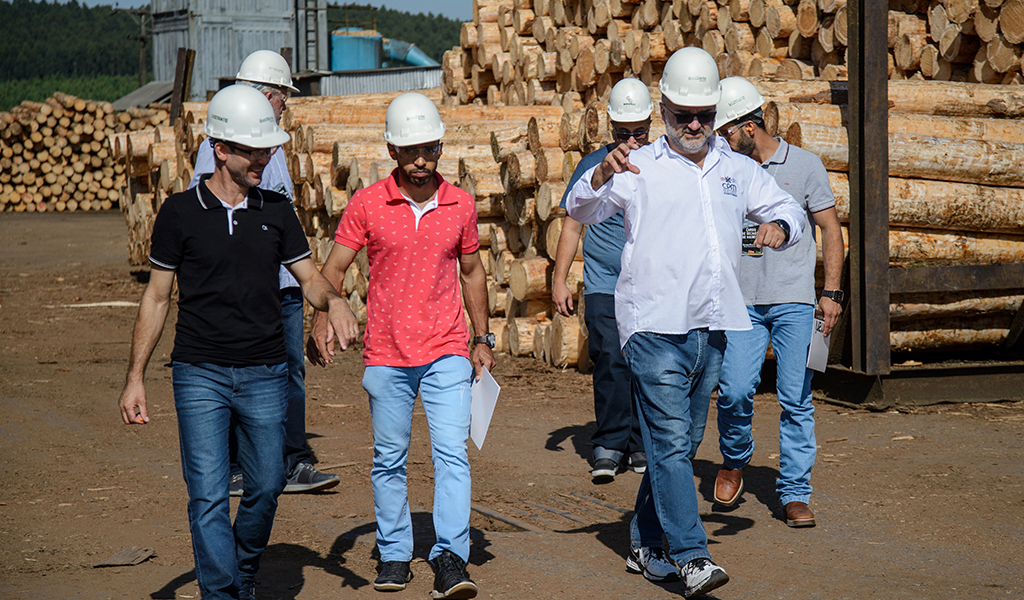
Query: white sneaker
x,y
653,563
701,576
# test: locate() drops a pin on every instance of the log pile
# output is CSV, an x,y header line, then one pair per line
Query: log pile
x,y
523,52
955,195
58,155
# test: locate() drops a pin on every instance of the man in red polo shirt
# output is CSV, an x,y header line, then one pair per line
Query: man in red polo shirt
x,y
419,231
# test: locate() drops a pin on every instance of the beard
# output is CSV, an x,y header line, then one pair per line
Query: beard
x,y
246,177
420,177
745,145
689,147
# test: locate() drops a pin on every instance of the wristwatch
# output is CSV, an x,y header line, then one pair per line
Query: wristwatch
x,y
834,295
486,339
784,225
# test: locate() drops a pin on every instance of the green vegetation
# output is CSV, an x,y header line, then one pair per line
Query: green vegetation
x,y
97,87
43,39
433,34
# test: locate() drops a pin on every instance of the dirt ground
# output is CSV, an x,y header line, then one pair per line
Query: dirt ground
x,y
921,504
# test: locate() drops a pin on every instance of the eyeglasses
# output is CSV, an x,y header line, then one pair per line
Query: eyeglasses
x,y
727,131
427,151
256,154
639,135
282,95
685,117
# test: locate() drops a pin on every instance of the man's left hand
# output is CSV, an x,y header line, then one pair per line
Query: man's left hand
x,y
831,311
771,235
482,357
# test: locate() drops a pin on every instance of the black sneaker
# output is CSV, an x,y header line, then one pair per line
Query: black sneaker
x,y
305,478
394,574
235,487
451,582
604,470
638,462
248,589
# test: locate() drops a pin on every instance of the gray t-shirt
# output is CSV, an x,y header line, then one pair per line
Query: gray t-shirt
x,y
777,277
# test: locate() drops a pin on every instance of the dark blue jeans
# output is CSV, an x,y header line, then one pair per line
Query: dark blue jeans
x,y
296,450
618,430
673,377
208,400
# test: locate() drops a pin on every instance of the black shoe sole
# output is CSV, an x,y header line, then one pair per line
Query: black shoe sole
x,y
717,580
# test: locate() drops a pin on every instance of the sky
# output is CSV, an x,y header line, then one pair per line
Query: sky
x,y
461,10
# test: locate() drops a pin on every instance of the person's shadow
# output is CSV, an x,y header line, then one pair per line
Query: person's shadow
x,y
758,482
579,435
282,566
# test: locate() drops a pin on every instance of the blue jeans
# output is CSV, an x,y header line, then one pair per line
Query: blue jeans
x,y
444,389
789,327
207,399
296,450
673,377
618,430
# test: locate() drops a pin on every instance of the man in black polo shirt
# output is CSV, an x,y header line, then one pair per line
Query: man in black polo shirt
x,y
225,240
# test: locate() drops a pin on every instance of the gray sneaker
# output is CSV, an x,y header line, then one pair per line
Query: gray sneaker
x,y
305,478
701,576
235,487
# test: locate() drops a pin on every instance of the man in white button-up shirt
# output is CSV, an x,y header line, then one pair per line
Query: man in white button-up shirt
x,y
684,199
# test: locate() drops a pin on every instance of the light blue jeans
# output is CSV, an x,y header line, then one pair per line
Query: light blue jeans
x,y
444,389
206,398
789,327
673,377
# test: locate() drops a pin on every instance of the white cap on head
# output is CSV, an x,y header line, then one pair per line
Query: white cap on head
x,y
739,99
266,66
691,78
243,115
412,119
629,101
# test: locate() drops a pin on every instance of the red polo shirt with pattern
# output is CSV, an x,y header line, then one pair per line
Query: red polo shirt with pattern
x,y
413,307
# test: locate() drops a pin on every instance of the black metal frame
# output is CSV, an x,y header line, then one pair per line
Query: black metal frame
x,y
867,376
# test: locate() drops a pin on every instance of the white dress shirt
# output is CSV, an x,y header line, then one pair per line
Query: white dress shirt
x,y
275,179
683,235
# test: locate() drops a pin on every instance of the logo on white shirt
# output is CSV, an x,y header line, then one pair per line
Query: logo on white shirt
x,y
729,186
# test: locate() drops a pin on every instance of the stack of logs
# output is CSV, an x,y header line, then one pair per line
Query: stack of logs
x,y
59,155
519,52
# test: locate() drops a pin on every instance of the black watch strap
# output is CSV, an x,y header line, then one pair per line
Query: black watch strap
x,y
488,340
784,225
834,295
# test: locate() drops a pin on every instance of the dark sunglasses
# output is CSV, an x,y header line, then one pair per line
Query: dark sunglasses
x,y
428,151
639,135
254,154
685,117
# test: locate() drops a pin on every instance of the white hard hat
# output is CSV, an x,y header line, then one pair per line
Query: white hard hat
x,y
266,66
241,114
629,101
691,78
739,99
412,119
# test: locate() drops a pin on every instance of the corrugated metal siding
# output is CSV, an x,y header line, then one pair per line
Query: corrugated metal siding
x,y
222,32
377,82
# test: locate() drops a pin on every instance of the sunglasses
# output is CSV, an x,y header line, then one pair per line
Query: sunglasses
x,y
256,154
685,117
728,130
427,151
623,135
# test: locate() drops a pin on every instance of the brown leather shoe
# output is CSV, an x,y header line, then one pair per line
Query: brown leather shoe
x,y
728,486
798,514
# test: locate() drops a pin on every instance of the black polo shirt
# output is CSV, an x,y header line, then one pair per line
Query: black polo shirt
x,y
229,305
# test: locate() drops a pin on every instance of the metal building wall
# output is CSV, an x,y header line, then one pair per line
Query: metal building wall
x,y
380,81
222,32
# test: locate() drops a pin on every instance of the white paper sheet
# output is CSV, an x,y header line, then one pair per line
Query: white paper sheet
x,y
484,397
817,356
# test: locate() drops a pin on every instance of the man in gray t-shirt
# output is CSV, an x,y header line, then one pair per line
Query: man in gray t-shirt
x,y
778,289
